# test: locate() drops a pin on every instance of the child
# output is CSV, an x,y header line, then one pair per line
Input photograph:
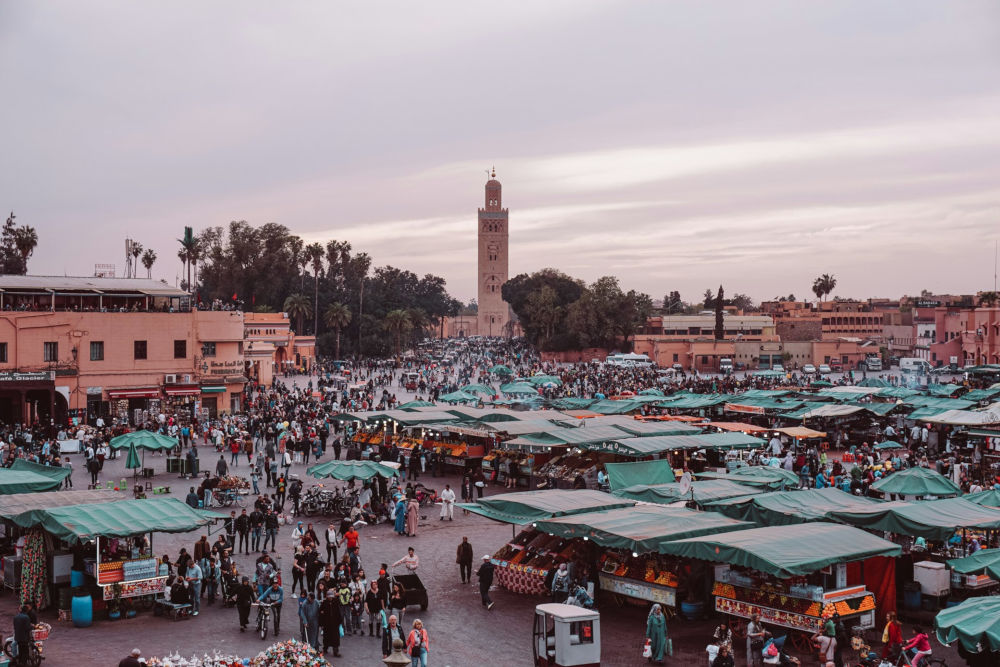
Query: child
x,y
357,609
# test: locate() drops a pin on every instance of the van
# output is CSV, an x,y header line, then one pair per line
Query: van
x,y
873,363
914,365
725,366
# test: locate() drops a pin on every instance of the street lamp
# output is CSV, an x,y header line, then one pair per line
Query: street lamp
x,y
397,658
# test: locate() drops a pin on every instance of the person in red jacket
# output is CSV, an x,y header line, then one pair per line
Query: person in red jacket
x,y
417,644
921,643
893,635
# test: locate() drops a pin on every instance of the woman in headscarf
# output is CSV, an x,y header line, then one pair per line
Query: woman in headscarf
x,y
400,524
656,633
412,511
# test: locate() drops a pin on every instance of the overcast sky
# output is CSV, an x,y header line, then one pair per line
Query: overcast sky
x,y
676,145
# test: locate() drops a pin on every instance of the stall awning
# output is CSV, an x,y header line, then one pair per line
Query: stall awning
x,y
639,529
527,506
800,432
791,507
693,401
930,519
831,411
984,561
213,389
22,481
23,502
56,473
345,470
765,476
621,475
785,551
79,523
917,482
136,392
703,492
987,498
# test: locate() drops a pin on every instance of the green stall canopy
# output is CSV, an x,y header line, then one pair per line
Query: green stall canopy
x,y
704,492
791,507
22,481
621,475
144,440
56,473
930,519
23,502
984,561
766,476
975,624
347,470
79,523
528,506
785,551
917,482
988,498
639,529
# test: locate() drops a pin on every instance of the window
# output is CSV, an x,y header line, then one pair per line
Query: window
x,y
3,353
180,349
50,352
208,349
97,350
139,349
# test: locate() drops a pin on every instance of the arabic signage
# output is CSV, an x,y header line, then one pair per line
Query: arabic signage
x,y
225,367
641,590
36,376
749,409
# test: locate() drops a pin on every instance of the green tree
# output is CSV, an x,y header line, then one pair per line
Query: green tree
x,y
297,307
720,325
25,240
824,285
743,302
988,299
398,323
545,312
336,317
148,259
709,299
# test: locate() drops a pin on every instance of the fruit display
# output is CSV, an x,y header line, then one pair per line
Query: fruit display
x,y
233,482
783,604
642,568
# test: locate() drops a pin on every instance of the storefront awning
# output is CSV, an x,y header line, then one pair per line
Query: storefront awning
x,y
136,392
785,551
192,390
213,389
639,529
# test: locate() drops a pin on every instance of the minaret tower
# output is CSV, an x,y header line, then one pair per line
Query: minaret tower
x,y
494,314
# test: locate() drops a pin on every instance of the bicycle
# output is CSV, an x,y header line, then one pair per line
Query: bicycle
x,y
263,618
226,497
38,635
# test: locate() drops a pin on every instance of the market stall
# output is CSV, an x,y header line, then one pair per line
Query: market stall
x,y
782,508
701,492
917,483
348,470
622,475
116,537
936,520
154,442
795,575
761,476
21,478
977,572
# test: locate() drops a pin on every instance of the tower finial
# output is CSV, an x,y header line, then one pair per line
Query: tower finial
x,y
493,173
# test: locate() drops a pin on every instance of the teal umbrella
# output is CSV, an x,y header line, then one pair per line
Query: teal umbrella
x,y
132,459
522,388
415,404
984,561
975,624
479,388
501,370
889,444
346,470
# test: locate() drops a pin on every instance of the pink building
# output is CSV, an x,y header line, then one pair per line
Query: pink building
x,y
125,348
273,348
969,335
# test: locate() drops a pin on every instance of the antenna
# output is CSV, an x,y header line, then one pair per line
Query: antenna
x,y
995,243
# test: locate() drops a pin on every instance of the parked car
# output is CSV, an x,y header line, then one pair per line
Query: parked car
x,y
778,367
678,367
823,368
808,369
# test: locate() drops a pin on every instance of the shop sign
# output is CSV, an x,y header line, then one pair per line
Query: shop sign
x,y
664,595
132,589
37,376
95,391
225,367
749,409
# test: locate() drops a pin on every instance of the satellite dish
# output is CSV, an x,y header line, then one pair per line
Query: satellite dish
x,y
685,483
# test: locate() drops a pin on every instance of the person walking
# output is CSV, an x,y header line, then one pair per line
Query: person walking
x,y
331,618
256,527
22,634
309,615
464,559
560,583
390,635
244,600
447,503
194,576
243,529
373,605
221,469
331,543
656,633
68,482
485,574
418,644
270,529
755,641
412,515
892,637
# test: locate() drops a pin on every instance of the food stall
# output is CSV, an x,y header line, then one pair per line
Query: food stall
x,y
795,575
461,447
111,539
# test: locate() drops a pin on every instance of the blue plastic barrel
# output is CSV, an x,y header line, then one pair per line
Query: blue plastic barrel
x,y
692,610
83,611
76,578
911,596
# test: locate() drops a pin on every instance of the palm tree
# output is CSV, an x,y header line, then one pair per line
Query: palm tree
x,y
824,285
188,252
398,322
337,316
25,240
314,253
148,259
297,307
989,299
136,251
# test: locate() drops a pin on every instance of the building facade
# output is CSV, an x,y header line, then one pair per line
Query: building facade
x,y
273,348
122,348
